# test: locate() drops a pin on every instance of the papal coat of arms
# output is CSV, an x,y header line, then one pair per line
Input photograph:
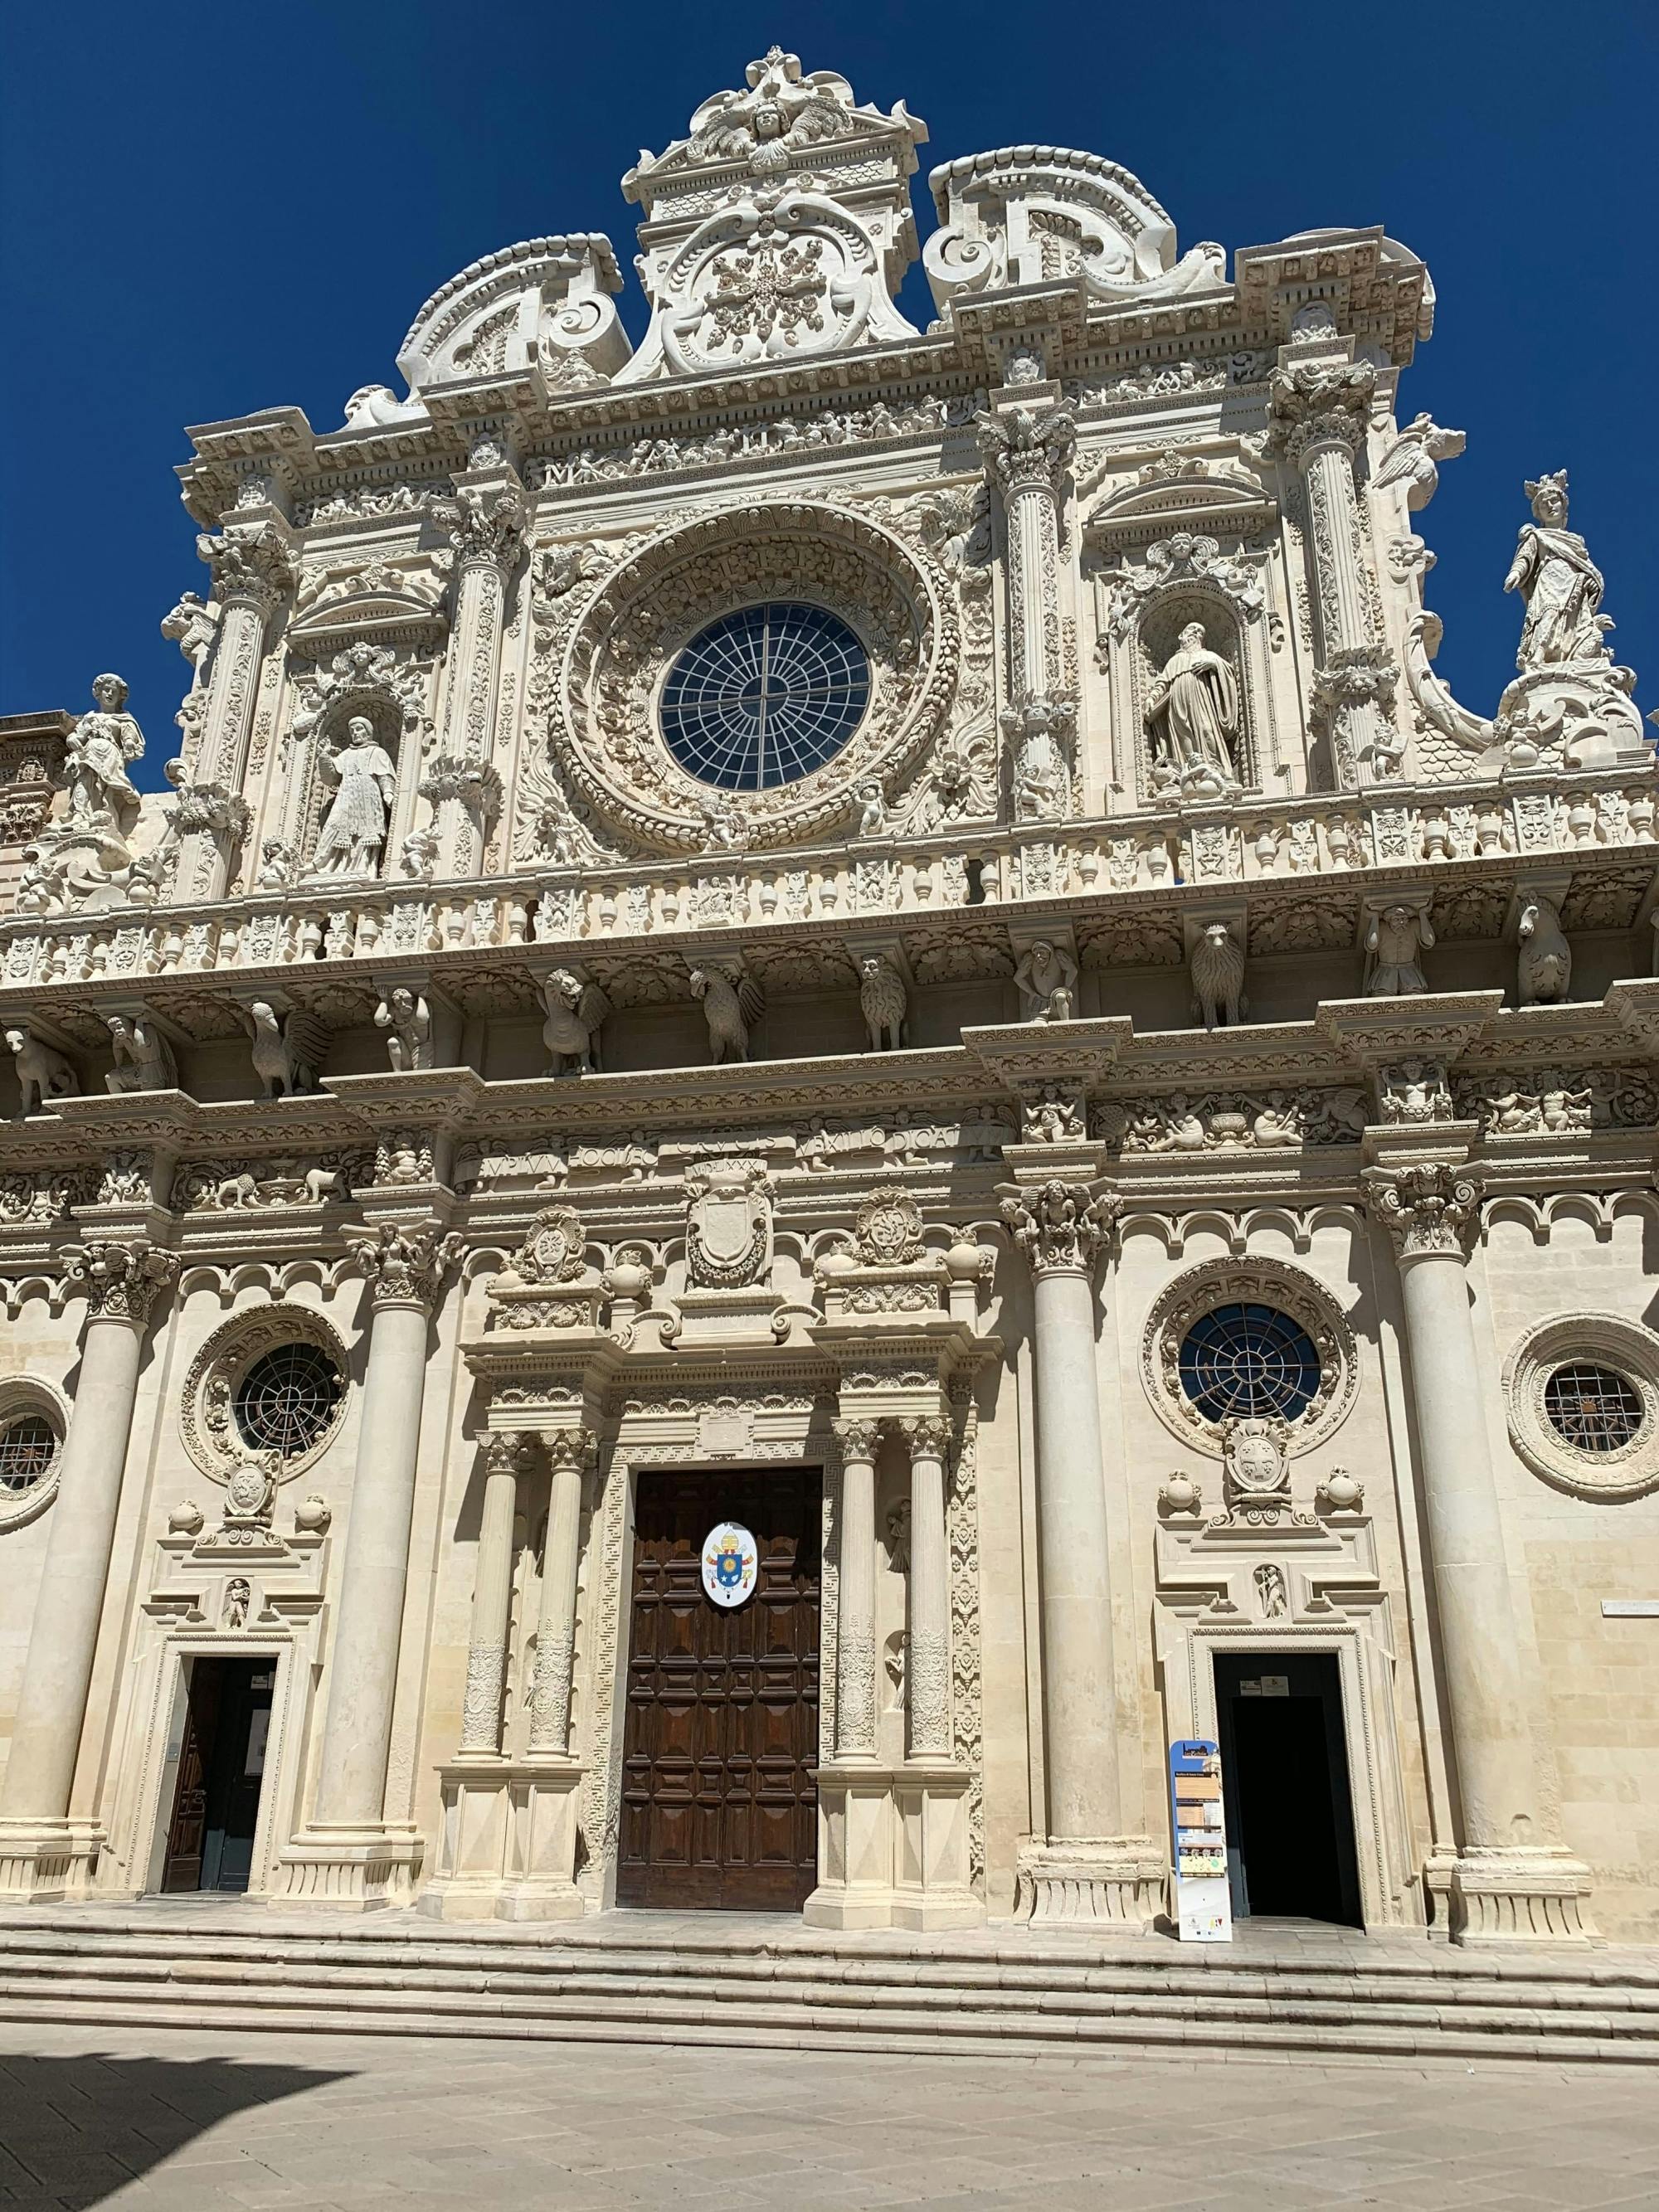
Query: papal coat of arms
x,y
731,1561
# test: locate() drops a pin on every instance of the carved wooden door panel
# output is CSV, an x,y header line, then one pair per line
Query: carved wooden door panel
x,y
719,1806
186,1833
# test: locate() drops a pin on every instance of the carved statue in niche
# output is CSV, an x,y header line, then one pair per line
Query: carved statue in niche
x,y
354,830
1046,979
1192,718
1394,944
1559,583
143,1058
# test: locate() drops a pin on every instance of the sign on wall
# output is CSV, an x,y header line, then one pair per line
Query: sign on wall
x,y
731,1561
1202,1906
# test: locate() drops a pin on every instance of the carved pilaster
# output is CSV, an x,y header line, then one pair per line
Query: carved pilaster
x,y
254,570
492,1598
927,1645
1029,451
485,523
1061,1227
570,1454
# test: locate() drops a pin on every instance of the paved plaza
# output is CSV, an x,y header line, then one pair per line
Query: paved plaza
x,y
195,2122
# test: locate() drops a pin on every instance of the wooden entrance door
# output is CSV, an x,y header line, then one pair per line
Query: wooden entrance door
x,y
222,1763
719,1806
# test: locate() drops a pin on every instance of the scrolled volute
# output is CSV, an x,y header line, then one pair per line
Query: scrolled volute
x,y
1430,1208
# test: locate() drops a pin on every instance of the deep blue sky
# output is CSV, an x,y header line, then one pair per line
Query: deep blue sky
x,y
223,209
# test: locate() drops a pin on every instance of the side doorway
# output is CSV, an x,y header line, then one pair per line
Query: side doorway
x,y
222,1766
1285,1787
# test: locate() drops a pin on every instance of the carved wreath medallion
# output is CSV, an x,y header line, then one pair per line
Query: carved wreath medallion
x,y
607,735
1199,1291
207,1419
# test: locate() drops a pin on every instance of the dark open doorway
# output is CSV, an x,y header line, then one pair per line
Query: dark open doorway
x,y
1284,1786
221,1765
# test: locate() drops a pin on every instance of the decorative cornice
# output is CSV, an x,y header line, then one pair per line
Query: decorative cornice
x,y
123,1277
1061,1227
1429,1207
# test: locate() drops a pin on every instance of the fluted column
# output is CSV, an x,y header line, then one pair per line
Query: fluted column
x,y
1319,411
252,571
123,1278
492,1600
1029,444
855,1618
485,524
569,1454
345,1856
1509,1880
927,1623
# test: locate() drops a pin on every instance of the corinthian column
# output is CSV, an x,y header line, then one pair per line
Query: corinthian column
x,y
485,524
43,1854
569,1454
492,1600
1510,1879
1085,1868
348,1855
1318,413
252,571
855,1619
927,1623
1029,450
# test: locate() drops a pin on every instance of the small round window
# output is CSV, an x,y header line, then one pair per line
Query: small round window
x,y
765,695
28,1445
287,1399
1594,1409
1249,1361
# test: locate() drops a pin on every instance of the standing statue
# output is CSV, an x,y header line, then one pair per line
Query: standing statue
x,y
1397,938
1046,979
1192,717
97,752
406,1019
576,1009
355,828
143,1058
884,1000
1561,584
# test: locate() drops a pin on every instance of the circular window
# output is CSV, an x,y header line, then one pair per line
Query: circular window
x,y
1594,1409
27,1446
763,696
285,1401
1249,1361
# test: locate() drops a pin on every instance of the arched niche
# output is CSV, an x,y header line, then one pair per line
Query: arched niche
x,y
1157,629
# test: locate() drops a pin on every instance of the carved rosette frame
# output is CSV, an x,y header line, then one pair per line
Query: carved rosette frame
x,y
608,740
207,1421
1199,1291
1605,1340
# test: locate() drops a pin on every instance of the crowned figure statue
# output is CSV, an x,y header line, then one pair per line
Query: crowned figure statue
x,y
1193,718
354,830
1559,583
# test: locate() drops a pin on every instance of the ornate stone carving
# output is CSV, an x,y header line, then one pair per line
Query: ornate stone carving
x,y
485,524
728,1224
354,830
577,1009
732,1001
1318,403
1412,1093
1429,1208
122,1277
1046,979
288,1049
252,566
1183,559
554,1249
202,1186
1216,966
1029,446
1059,1226
1293,1292
44,1074
1255,1471
1412,461
1544,960
1559,585
884,1000
889,1230
404,1018
1618,1467
1395,940
1039,728
1193,718
1226,1121
404,1264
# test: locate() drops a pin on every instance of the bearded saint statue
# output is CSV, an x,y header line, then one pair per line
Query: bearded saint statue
x,y
1193,718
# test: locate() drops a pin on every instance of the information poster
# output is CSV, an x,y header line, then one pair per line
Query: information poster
x,y
1203,1907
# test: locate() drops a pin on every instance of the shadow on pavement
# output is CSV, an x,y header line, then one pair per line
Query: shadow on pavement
x,y
74,2130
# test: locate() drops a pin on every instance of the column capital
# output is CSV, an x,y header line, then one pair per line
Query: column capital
x,y
254,567
122,1276
1429,1207
404,1263
928,1435
1320,402
485,524
858,1437
506,1453
1028,448
570,1451
1061,1227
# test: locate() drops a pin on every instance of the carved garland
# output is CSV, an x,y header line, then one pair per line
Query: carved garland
x,y
1198,1292
207,1421
1607,1341
607,739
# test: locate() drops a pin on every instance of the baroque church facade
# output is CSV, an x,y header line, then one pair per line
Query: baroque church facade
x,y
834,1093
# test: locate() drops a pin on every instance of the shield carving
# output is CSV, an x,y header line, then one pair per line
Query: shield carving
x,y
728,1224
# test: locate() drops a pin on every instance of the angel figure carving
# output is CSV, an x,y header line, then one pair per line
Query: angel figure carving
x,y
286,1053
732,1002
99,750
577,1012
1192,717
1559,583
354,830
143,1058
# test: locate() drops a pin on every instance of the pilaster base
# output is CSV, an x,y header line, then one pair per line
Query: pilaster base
x,y
1113,1881
48,1862
893,1849
509,1846
1520,1897
353,1869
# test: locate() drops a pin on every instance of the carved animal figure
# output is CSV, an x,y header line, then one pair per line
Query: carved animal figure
x,y
42,1074
1412,458
885,1002
143,1058
1544,965
1217,973
287,1054
731,1005
576,1011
